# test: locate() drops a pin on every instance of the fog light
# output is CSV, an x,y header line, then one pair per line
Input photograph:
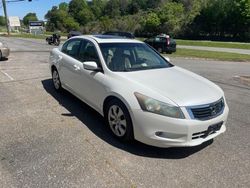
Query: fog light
x,y
170,135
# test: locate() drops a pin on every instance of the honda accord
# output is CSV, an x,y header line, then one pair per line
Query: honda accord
x,y
140,94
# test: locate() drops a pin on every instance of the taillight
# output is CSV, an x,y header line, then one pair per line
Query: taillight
x,y
168,41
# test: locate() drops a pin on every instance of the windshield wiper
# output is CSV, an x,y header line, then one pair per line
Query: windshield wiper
x,y
143,68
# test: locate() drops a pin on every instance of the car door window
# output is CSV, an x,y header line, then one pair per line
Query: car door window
x,y
72,48
88,52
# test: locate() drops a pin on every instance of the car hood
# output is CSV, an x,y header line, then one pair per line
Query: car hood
x,y
182,87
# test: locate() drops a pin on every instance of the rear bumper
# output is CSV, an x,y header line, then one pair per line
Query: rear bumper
x,y
170,49
5,52
161,131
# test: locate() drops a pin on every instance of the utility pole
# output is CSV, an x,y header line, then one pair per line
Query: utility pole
x,y
6,16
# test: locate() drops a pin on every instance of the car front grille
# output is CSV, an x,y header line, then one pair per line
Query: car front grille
x,y
208,111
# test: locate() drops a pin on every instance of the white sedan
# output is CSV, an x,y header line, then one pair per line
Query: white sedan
x,y
140,94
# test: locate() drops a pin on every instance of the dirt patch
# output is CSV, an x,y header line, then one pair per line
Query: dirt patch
x,y
243,79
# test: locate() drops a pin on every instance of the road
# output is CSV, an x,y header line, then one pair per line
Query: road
x,y
50,139
229,50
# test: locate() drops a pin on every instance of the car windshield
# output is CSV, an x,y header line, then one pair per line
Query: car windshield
x,y
124,57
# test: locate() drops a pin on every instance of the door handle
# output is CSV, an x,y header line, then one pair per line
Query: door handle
x,y
76,67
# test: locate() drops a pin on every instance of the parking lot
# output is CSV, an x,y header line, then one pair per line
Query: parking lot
x,y
50,139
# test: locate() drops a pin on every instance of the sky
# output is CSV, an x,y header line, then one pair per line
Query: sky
x,y
40,7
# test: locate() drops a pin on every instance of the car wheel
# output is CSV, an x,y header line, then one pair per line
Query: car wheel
x,y
159,50
118,119
56,80
1,55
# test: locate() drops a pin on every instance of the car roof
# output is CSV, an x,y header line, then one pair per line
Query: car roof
x,y
109,39
74,32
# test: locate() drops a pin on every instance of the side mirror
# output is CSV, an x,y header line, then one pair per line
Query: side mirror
x,y
91,65
167,58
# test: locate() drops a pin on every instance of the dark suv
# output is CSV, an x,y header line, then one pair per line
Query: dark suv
x,y
74,33
120,33
162,43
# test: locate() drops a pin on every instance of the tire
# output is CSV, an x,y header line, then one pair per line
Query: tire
x,y
1,56
56,80
118,119
160,50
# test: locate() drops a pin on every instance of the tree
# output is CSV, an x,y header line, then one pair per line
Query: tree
x,y
112,8
80,11
221,18
172,17
59,19
64,6
152,22
97,7
133,7
29,17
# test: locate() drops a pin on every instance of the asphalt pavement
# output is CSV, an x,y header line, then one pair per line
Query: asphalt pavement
x,y
50,139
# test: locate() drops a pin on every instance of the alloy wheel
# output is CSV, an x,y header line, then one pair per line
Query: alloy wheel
x,y
56,80
117,121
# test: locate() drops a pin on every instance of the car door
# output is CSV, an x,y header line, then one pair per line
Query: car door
x,y
70,66
90,83
163,41
157,43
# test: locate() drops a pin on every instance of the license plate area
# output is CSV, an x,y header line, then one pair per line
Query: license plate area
x,y
212,129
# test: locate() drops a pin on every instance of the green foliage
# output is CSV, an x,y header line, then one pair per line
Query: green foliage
x,y
220,18
152,22
59,19
112,8
97,7
179,18
80,11
64,6
172,17
2,21
29,17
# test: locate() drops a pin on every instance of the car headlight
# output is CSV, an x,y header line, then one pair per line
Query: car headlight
x,y
154,106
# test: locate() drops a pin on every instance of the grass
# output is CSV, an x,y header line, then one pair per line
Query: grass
x,y
32,36
214,44
224,56
26,35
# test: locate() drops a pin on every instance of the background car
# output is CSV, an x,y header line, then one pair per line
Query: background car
x,y
4,50
74,33
120,33
162,43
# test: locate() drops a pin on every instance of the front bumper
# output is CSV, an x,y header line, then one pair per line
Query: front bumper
x,y
161,131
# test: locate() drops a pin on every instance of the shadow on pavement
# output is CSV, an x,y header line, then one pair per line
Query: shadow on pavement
x,y
4,59
94,121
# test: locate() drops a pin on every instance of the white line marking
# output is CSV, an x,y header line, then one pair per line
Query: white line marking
x,y
6,74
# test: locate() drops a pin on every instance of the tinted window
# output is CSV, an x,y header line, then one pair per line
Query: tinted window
x,y
163,39
131,57
72,48
88,52
157,39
